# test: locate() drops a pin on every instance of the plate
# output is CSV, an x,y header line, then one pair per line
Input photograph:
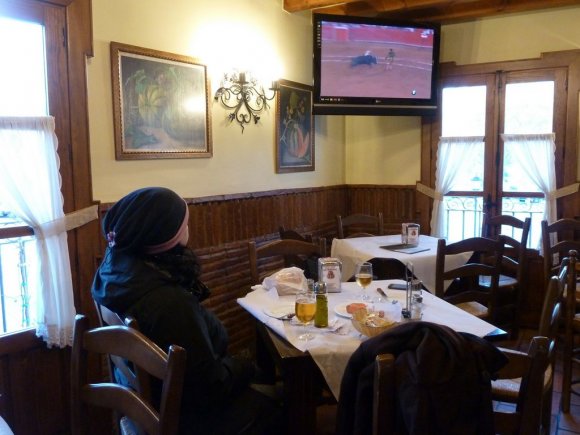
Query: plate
x,y
279,311
340,309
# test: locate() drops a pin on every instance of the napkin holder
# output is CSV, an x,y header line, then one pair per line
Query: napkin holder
x,y
330,272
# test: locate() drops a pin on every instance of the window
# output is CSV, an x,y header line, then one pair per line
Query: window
x,y
35,275
24,93
489,123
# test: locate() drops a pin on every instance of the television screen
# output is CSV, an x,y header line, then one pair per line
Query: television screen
x,y
370,66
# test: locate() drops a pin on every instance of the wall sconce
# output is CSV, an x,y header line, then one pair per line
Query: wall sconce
x,y
239,91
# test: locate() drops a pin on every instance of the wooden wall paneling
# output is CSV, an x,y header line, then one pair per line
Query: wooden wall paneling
x,y
6,405
39,386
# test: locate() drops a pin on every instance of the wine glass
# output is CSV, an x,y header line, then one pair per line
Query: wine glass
x,y
364,277
305,309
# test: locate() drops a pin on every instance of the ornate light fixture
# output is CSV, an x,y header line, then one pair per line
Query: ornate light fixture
x,y
239,91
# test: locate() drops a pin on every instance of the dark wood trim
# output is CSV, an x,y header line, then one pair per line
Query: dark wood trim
x,y
11,232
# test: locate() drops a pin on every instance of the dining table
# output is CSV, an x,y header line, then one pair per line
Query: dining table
x,y
421,257
324,358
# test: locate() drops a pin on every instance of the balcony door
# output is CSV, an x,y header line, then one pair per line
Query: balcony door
x,y
477,110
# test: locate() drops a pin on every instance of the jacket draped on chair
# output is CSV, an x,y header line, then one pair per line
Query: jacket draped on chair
x,y
442,381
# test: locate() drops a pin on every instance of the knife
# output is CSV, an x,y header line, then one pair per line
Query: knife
x,y
381,292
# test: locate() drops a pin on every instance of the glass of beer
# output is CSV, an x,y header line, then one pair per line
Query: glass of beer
x,y
364,278
305,309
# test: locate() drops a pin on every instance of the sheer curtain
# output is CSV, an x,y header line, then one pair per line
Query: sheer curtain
x,y
30,187
452,152
536,155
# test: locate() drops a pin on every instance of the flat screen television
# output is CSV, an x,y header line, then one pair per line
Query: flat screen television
x,y
374,66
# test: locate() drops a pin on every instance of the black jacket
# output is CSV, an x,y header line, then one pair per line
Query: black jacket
x,y
169,314
442,381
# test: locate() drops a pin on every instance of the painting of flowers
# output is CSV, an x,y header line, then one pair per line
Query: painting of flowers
x,y
160,104
294,128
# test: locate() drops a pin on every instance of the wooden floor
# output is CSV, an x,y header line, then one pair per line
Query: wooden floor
x,y
562,424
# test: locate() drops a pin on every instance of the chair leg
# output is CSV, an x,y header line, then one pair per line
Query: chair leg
x,y
547,412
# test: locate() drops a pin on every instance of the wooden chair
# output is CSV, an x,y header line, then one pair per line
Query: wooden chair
x,y
359,225
271,257
293,235
508,388
558,238
525,419
512,279
464,290
122,371
530,368
130,344
286,234
571,328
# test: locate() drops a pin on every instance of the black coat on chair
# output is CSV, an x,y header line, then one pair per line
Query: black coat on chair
x,y
442,381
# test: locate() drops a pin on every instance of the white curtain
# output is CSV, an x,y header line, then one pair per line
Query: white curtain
x,y
452,153
536,154
30,187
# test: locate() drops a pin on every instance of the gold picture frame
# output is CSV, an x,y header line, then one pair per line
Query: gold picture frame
x,y
160,104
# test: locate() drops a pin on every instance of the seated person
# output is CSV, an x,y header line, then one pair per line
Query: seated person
x,y
149,273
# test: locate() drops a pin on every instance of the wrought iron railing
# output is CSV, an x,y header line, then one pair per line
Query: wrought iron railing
x,y
464,216
16,300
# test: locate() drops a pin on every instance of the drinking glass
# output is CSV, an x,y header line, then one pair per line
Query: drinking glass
x,y
305,309
364,277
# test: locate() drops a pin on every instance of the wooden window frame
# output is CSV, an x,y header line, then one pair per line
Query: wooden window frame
x,y
566,147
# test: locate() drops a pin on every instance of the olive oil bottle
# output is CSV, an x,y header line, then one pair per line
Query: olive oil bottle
x,y
321,316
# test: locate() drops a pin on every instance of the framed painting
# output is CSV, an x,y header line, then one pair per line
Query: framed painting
x,y
294,128
160,104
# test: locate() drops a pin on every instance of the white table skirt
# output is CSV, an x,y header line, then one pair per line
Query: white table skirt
x,y
332,351
358,249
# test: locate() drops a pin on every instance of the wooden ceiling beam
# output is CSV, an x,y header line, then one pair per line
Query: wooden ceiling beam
x,y
303,5
475,9
443,11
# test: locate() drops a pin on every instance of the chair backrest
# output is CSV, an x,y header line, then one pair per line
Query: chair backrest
x,y
293,235
359,225
130,344
568,278
384,399
466,277
558,238
515,248
120,370
524,420
281,253
286,234
530,367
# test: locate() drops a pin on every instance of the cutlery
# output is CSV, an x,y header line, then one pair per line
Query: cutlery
x,y
286,316
381,292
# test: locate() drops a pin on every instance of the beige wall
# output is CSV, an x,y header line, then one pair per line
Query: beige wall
x,y
257,33
517,36
381,150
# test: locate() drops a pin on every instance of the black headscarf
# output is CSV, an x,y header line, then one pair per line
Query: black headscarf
x,y
145,217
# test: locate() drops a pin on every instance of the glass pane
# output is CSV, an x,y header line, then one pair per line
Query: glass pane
x,y
463,111
23,84
464,214
515,179
471,175
523,208
16,257
529,107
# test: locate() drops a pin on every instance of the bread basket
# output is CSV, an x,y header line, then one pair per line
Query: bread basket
x,y
370,323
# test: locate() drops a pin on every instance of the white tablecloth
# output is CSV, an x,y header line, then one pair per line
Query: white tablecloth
x,y
332,351
358,249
